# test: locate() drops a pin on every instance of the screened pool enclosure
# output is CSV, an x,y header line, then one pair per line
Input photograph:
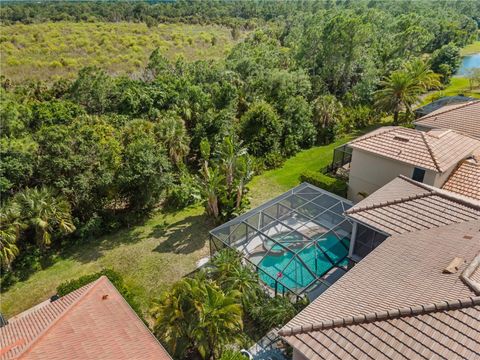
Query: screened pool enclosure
x,y
297,242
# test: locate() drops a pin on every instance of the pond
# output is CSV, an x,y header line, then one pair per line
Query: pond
x,y
469,62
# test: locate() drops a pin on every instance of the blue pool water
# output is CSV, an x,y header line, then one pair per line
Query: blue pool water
x,y
292,273
469,62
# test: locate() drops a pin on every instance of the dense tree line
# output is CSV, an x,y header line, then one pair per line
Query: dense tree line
x,y
114,148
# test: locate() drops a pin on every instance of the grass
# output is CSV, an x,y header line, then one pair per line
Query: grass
x,y
471,49
153,256
274,182
48,51
458,86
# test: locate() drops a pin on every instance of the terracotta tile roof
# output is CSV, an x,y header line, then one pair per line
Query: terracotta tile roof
x,y
404,205
465,180
435,150
464,118
81,325
398,303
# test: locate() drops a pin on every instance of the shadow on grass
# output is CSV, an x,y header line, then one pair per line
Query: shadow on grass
x,y
183,237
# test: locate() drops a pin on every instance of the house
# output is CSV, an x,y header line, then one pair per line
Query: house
x,y
404,206
463,118
415,296
92,322
383,154
465,179
440,103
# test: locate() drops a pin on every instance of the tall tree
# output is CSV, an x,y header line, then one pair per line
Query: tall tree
x,y
403,87
223,179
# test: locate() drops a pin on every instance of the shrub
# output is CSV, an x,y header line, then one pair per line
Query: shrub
x,y
325,182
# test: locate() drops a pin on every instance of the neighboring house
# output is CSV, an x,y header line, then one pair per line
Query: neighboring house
x,y
402,206
465,179
440,103
463,118
93,322
381,155
417,296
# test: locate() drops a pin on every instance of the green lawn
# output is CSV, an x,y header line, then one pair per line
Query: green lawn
x,y
473,48
153,256
457,86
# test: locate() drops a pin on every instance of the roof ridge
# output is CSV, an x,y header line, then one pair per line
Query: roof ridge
x,y
430,151
354,210
67,310
471,203
384,315
385,129
134,312
468,103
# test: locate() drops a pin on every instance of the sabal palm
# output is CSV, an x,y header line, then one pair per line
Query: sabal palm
x,y
45,213
219,319
171,130
10,226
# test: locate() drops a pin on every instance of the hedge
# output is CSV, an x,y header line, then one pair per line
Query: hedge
x,y
334,185
114,277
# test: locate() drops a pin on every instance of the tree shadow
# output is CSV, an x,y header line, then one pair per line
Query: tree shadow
x,y
92,249
183,237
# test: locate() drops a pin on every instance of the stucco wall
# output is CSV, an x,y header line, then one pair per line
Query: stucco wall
x,y
369,172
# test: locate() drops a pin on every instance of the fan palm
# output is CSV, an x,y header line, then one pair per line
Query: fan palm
x,y
10,226
171,130
45,213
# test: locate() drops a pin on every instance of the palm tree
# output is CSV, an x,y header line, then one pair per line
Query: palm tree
x,y
172,132
327,112
10,226
276,312
174,316
44,213
403,87
197,314
219,319
224,262
245,281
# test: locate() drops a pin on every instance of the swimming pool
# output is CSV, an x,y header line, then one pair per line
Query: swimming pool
x,y
291,271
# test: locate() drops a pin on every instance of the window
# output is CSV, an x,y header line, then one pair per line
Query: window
x,y
418,174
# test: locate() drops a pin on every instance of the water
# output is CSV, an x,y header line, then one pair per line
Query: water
x,y
293,274
469,62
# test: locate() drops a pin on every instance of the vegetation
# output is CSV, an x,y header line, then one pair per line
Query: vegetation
x,y
105,158
115,278
323,181
224,178
204,314
470,49
403,88
54,50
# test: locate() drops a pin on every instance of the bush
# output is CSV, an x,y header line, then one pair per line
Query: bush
x,y
114,277
325,182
